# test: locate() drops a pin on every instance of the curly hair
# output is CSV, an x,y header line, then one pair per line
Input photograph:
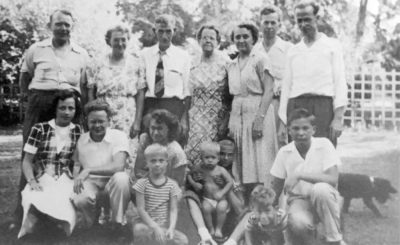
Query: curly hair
x,y
262,195
98,105
63,95
170,119
249,26
117,28
209,27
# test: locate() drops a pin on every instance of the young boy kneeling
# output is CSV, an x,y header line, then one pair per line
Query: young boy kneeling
x,y
157,202
214,196
307,170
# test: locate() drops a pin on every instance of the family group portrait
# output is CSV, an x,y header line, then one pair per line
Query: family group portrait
x,y
213,122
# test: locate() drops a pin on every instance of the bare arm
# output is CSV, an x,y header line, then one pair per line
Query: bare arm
x,y
329,176
266,100
91,93
28,171
135,129
277,185
173,212
140,202
228,182
24,80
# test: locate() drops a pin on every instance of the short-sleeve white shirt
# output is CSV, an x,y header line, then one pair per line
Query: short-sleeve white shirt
x,y
92,154
320,157
176,62
49,72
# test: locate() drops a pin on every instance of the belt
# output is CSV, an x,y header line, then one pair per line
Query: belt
x,y
313,96
52,91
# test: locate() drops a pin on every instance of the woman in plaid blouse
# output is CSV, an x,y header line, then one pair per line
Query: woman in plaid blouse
x,y
47,167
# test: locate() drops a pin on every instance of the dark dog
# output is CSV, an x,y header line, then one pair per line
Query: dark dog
x,y
365,187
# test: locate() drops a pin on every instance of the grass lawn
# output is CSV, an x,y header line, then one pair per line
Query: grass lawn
x,y
376,154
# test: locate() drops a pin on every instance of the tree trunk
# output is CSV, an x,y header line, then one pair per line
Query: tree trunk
x,y
362,14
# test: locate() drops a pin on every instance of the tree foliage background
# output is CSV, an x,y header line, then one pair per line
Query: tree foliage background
x,y
368,29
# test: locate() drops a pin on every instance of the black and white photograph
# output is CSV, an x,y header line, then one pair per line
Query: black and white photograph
x,y
202,122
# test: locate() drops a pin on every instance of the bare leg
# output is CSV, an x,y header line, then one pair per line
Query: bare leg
x,y
195,212
198,220
207,212
222,208
238,233
236,203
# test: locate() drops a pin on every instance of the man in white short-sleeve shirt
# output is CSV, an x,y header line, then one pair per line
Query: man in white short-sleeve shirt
x,y
100,158
307,170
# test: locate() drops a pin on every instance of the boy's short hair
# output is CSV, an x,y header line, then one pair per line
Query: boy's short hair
x,y
270,9
209,146
226,142
98,105
262,195
155,149
301,113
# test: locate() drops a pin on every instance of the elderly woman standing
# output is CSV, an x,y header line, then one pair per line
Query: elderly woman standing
x,y
209,113
118,78
252,121
47,167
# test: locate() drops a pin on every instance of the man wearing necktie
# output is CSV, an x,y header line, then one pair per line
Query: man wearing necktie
x,y
167,70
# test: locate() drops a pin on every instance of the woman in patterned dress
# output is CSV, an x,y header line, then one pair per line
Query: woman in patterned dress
x,y
209,113
118,79
252,120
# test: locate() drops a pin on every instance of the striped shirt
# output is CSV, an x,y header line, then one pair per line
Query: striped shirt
x,y
157,198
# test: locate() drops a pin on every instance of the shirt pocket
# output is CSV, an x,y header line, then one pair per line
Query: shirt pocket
x,y
71,75
173,80
45,71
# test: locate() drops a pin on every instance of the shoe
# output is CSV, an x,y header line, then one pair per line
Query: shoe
x,y
104,217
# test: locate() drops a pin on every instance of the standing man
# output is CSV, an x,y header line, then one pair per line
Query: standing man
x,y
276,50
315,76
167,75
49,66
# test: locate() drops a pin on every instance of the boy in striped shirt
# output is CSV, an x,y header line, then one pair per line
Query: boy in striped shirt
x,y
157,202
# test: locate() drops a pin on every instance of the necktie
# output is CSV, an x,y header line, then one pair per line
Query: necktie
x,y
159,81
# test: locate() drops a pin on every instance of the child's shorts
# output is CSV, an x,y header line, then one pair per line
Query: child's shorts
x,y
214,203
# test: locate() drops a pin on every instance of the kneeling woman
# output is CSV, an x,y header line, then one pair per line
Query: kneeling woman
x,y
47,167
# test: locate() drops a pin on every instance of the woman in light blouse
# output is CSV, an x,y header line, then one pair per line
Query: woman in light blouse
x,y
252,121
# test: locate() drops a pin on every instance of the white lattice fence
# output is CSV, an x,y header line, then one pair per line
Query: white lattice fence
x,y
374,96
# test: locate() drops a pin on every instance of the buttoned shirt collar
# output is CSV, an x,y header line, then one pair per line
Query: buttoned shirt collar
x,y
168,51
322,38
49,43
279,44
291,147
52,123
87,139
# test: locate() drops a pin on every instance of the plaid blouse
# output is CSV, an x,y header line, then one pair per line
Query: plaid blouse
x,y
46,159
